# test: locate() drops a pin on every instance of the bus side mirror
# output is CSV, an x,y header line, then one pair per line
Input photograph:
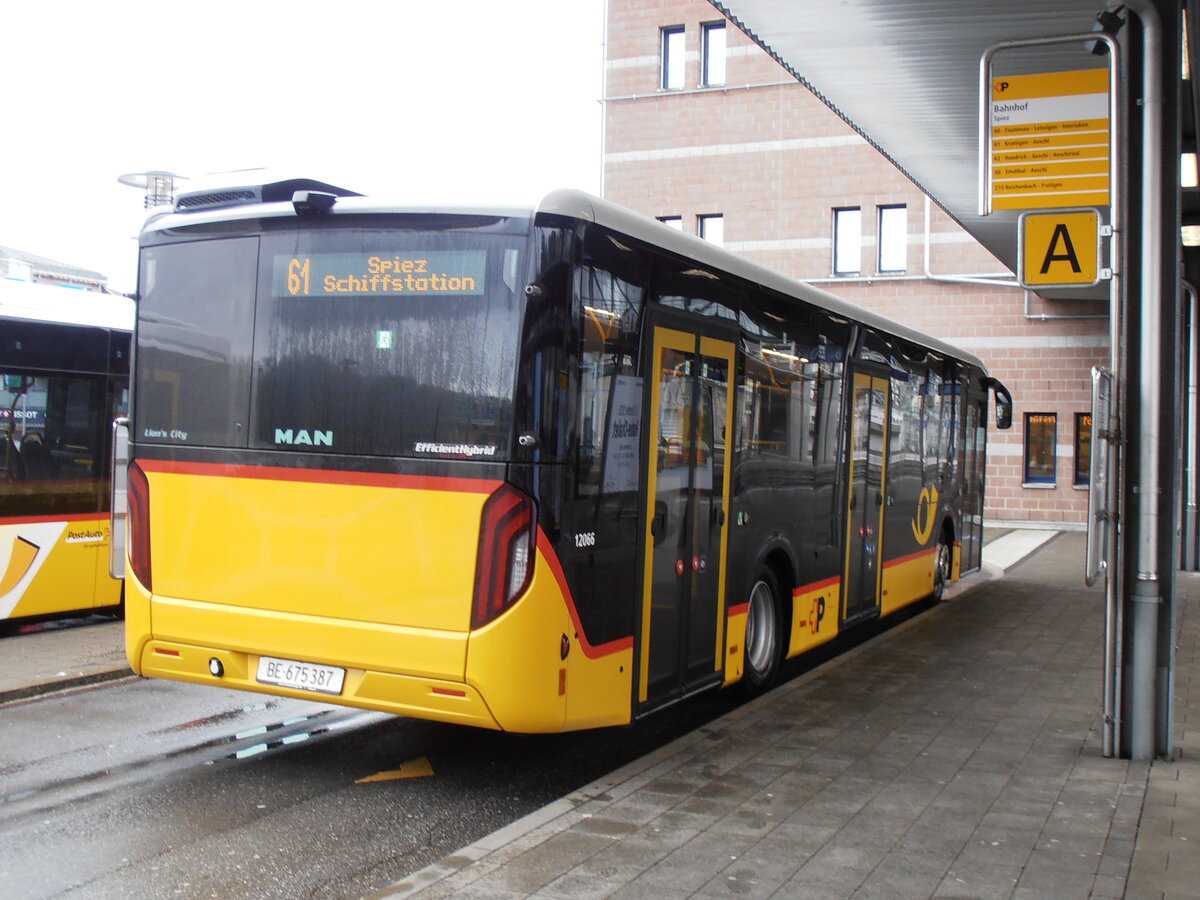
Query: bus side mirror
x,y
1004,403
1003,409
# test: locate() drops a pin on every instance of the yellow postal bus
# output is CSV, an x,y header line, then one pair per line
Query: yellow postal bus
x,y
525,469
64,375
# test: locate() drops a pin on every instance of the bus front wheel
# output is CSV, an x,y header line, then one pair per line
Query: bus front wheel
x,y
763,634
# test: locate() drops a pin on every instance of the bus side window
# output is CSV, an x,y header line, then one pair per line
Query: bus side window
x,y
609,291
39,464
52,438
932,425
776,401
829,414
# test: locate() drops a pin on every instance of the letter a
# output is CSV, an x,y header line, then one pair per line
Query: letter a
x,y
1060,231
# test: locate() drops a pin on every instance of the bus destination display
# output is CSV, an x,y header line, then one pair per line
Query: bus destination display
x,y
440,273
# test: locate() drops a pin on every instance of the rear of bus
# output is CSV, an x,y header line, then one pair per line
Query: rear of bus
x,y
321,497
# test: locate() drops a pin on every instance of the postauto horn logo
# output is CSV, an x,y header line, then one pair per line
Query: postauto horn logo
x,y
922,523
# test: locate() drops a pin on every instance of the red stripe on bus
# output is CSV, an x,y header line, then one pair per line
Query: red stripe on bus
x,y
912,556
70,517
323,476
817,585
740,610
590,651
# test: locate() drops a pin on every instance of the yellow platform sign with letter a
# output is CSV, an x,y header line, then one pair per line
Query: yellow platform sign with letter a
x,y
1059,248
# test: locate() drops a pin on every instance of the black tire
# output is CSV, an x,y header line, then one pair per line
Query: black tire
x,y
942,563
764,634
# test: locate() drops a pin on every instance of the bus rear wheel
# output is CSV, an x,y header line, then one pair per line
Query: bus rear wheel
x,y
763,633
941,567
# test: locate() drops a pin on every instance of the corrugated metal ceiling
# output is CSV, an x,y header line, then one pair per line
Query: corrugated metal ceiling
x,y
905,73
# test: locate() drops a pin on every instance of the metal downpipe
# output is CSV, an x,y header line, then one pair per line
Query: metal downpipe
x,y
1191,559
1147,596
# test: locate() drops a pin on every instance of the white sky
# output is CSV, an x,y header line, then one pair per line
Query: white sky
x,y
450,100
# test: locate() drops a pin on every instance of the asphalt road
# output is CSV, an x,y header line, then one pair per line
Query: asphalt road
x,y
156,789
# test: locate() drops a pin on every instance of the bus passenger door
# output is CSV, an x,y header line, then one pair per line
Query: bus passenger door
x,y
687,484
865,496
975,457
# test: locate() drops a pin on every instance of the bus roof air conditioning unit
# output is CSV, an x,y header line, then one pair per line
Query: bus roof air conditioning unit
x,y
276,192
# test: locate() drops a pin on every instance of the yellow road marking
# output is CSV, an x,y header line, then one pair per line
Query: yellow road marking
x,y
414,768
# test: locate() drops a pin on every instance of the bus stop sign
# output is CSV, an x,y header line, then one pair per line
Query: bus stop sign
x,y
1059,248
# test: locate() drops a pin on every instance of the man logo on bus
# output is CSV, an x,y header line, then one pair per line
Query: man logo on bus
x,y
922,524
303,437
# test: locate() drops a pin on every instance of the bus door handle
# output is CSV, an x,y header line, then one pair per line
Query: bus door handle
x,y
658,523
718,516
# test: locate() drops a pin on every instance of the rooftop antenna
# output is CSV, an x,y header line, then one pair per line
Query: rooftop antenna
x,y
159,186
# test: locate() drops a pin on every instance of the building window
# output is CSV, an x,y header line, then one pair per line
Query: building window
x,y
675,222
1083,448
893,238
712,44
712,229
672,58
847,241
1041,436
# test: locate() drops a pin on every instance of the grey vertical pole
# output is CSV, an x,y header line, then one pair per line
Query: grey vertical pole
x,y
1114,566
1190,416
1147,596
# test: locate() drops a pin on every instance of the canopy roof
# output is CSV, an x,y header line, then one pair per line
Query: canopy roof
x,y
905,73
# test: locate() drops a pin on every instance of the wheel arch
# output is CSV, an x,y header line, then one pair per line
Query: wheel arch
x,y
776,553
782,567
947,528
945,538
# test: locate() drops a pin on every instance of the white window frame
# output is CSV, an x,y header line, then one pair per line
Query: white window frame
x,y
672,57
711,228
712,54
847,240
891,245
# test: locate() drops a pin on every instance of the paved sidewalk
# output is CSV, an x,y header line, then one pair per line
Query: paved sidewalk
x,y
56,656
1167,860
956,756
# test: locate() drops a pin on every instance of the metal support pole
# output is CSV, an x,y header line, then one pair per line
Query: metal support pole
x,y
1191,559
1147,596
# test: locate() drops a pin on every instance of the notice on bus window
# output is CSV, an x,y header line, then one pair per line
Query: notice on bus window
x,y
624,433
440,273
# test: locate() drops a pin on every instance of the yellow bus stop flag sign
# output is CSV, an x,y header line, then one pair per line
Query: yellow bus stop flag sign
x,y
1059,248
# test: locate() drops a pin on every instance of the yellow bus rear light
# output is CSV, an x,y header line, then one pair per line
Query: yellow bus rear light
x,y
504,567
161,652
138,519
447,692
